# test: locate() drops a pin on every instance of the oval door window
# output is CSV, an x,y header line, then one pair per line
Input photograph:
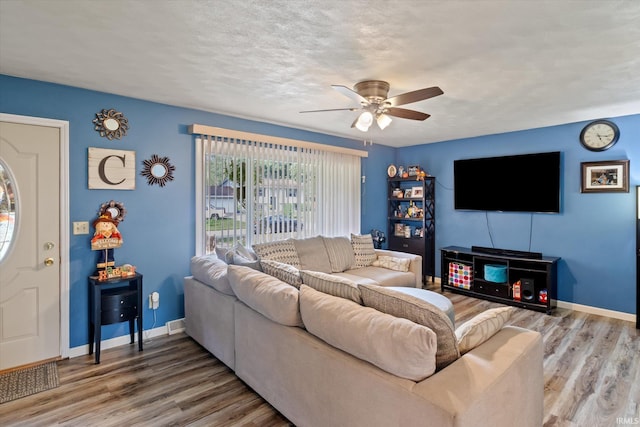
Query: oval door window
x,y
7,210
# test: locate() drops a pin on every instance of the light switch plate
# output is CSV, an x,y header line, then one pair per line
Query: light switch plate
x,y
81,227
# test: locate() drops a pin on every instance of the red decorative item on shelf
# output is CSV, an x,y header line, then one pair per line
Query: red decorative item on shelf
x,y
516,291
542,296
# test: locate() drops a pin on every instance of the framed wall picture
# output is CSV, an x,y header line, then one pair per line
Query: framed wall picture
x,y
111,169
413,170
605,177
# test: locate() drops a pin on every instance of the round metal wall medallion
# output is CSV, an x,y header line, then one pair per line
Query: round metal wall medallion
x,y
111,124
158,170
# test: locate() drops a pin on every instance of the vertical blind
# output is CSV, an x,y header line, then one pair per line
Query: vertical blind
x,y
271,190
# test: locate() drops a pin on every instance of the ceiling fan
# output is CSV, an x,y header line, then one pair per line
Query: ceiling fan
x,y
372,97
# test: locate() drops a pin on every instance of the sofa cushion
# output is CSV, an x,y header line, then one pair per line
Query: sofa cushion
x,y
332,285
281,251
312,254
474,332
363,250
356,278
211,271
340,253
381,276
271,297
393,344
399,304
392,263
285,272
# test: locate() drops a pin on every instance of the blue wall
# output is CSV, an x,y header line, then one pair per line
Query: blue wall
x,y
594,235
158,230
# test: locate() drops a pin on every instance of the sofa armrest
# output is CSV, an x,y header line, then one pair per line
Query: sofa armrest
x,y
495,383
416,262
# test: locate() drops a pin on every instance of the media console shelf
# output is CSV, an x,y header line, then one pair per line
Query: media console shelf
x,y
463,271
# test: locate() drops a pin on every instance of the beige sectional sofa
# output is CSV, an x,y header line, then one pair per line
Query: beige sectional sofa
x,y
331,352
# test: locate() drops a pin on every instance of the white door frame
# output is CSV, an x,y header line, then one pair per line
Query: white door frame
x,y
65,263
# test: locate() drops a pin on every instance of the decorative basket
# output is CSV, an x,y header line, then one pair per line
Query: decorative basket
x,y
460,275
495,273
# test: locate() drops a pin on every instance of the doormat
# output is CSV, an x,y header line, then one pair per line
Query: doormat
x,y
28,381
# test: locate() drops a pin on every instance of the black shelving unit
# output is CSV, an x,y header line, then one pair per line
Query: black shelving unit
x,y
412,219
537,277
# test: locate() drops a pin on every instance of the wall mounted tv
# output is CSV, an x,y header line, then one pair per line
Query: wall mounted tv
x,y
519,183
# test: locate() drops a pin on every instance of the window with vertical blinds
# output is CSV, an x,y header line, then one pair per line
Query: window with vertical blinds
x,y
253,191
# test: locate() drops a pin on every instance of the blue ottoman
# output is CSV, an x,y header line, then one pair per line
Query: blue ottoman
x,y
434,298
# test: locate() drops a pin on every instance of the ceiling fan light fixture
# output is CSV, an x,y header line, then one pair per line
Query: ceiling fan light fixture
x,y
383,121
364,121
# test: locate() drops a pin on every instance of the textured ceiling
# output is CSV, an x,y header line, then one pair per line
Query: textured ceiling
x,y
503,65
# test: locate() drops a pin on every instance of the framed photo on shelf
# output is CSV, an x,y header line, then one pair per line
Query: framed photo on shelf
x,y
413,170
398,229
605,177
407,193
416,192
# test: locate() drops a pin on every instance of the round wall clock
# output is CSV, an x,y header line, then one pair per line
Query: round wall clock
x,y
599,135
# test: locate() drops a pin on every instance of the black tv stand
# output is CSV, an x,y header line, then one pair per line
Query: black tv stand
x,y
463,271
507,252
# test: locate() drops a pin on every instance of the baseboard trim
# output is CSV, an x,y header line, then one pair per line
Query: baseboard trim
x,y
118,341
586,309
597,311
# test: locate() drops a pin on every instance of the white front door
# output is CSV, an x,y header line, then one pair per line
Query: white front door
x,y
30,306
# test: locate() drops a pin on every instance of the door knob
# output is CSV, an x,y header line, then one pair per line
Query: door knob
x,y
48,262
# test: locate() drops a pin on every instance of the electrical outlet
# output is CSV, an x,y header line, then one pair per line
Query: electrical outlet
x,y
80,227
154,300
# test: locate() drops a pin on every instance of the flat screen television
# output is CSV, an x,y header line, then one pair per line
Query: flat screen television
x,y
519,183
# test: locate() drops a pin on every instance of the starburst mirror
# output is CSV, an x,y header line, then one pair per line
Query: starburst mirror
x,y
158,170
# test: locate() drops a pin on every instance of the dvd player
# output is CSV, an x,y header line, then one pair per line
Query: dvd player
x,y
507,252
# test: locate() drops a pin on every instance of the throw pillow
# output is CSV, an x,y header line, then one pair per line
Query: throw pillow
x,y
312,254
221,252
392,263
211,271
340,253
395,345
281,251
240,255
363,250
332,285
271,297
482,327
399,304
245,252
285,272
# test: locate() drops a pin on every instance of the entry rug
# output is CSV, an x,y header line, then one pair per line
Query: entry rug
x,y
24,382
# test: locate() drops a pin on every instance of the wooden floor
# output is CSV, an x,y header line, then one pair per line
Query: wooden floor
x,y
591,372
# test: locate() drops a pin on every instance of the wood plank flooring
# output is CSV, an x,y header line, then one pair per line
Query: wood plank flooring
x,y
591,373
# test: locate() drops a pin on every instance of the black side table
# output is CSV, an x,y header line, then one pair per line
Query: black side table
x,y
113,301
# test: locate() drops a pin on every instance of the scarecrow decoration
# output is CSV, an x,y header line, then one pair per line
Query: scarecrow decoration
x,y
105,239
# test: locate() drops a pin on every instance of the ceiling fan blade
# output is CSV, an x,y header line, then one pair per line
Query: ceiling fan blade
x,y
330,109
415,96
353,125
349,93
407,114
